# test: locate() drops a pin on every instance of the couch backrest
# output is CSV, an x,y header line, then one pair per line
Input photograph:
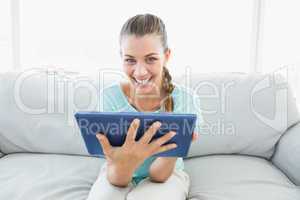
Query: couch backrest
x,y
243,113
37,108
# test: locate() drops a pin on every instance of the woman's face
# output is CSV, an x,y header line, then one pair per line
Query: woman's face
x,y
143,60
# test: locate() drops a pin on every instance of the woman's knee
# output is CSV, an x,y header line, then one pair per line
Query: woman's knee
x,y
102,189
176,187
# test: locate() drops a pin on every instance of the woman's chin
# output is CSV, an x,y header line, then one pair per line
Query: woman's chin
x,y
143,89
146,89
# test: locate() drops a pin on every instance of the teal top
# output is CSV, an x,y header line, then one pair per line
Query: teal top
x,y
114,100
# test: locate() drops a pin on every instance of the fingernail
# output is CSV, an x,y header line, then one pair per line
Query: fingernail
x,y
99,136
157,124
173,133
136,120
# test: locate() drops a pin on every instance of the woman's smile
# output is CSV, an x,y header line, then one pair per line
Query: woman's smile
x,y
143,82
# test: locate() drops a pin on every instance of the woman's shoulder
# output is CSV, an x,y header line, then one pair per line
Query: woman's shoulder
x,y
113,92
111,89
182,93
112,95
185,99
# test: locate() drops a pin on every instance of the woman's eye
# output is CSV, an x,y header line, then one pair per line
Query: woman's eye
x,y
130,61
151,59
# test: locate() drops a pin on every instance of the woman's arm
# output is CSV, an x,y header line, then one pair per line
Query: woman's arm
x,y
162,168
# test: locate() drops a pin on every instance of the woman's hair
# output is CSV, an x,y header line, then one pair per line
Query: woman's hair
x,y
144,24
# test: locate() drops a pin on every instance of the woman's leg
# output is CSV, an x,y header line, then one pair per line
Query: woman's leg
x,y
176,187
102,189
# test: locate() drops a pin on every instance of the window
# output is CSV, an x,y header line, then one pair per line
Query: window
x,y
281,40
5,36
207,36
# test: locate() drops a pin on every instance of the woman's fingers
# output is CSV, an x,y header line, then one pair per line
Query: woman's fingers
x,y
165,148
106,147
157,144
145,139
132,130
195,136
163,139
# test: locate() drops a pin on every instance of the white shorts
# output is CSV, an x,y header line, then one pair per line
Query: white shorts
x,y
175,188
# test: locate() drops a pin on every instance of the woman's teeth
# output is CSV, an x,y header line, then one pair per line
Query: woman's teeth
x,y
143,82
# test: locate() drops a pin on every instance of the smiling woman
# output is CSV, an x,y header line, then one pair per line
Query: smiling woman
x,y
145,54
149,88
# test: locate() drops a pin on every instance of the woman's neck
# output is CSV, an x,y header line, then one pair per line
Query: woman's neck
x,y
143,103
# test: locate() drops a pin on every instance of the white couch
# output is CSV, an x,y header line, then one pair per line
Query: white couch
x,y
249,147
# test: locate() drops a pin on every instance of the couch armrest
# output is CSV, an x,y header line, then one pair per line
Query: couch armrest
x,y
287,153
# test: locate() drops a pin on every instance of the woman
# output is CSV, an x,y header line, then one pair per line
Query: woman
x,y
130,171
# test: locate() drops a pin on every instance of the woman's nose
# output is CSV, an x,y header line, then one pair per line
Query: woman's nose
x,y
140,71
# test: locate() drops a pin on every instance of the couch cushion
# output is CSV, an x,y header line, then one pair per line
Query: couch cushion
x,y
37,109
47,176
238,110
56,177
287,154
30,120
234,177
243,113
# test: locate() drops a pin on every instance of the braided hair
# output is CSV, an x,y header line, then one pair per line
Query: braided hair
x,y
169,87
141,25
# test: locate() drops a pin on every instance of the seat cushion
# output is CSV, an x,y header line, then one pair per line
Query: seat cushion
x,y
57,177
47,176
235,177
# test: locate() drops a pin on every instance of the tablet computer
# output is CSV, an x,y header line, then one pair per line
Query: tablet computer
x,y
115,125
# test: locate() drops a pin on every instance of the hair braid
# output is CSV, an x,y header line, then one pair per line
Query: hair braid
x,y
168,86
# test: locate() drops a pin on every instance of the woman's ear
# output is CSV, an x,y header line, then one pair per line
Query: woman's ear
x,y
167,55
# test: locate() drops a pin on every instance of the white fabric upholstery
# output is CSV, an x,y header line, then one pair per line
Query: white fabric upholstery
x,y
287,154
244,132
34,166
51,130
234,177
47,176
57,177
244,113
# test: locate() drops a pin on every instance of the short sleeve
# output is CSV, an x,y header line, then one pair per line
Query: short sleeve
x,y
179,163
196,109
188,102
107,101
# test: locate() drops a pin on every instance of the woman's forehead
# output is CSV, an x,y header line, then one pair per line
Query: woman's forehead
x,y
141,45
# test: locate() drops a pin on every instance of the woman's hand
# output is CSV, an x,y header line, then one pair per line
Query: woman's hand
x,y
195,136
162,168
123,161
